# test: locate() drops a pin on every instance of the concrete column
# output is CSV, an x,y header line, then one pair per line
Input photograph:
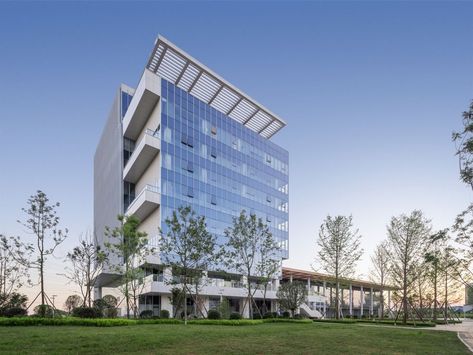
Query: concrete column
x,y
325,300
290,278
350,301
362,300
166,304
245,308
389,303
371,301
97,293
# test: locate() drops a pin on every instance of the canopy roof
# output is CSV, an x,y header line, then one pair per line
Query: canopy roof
x,y
176,66
298,274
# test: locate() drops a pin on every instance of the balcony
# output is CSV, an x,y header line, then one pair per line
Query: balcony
x,y
145,202
142,105
142,156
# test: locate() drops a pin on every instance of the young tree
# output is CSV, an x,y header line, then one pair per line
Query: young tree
x,y
42,221
130,245
291,295
338,250
14,272
436,244
380,270
86,260
407,235
72,301
189,249
251,251
269,263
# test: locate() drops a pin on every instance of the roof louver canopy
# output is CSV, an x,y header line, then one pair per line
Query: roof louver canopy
x,y
176,66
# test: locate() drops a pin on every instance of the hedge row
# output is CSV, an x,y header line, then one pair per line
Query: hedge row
x,y
376,321
98,322
103,322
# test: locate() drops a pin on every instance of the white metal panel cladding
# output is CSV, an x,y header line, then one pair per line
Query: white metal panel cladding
x,y
176,66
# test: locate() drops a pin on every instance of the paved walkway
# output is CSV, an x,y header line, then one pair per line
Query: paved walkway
x,y
464,331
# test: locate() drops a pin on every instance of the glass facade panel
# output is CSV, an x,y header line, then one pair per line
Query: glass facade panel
x,y
219,167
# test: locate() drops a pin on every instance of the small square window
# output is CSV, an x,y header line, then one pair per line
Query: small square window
x,y
268,198
213,152
214,130
213,200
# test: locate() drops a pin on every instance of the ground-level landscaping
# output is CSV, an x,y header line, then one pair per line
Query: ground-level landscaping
x,y
275,338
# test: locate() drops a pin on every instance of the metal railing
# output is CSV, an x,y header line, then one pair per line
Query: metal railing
x,y
151,188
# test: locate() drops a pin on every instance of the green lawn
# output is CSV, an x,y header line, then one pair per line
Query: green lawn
x,y
276,338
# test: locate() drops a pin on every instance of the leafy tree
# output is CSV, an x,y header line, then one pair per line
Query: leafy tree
x,y
86,260
338,250
111,303
14,272
380,270
252,251
131,246
189,249
291,295
72,301
464,147
407,235
43,222
433,256
13,300
463,225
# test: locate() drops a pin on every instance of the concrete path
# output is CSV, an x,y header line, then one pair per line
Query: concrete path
x,y
464,331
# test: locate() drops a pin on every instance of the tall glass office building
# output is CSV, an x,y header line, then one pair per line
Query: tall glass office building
x,y
187,137
219,167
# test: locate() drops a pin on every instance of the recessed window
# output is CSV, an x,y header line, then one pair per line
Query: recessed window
x,y
214,130
189,166
213,200
213,152
268,198
190,192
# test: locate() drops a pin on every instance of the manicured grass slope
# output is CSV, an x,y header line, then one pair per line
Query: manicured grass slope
x,y
275,338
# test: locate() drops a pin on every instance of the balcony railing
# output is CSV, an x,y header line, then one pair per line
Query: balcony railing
x,y
143,154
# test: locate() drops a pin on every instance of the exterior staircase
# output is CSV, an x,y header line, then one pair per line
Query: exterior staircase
x,y
309,312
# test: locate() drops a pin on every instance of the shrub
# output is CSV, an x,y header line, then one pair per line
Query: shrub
x,y
164,313
43,310
110,312
213,314
146,314
270,315
298,316
235,315
86,312
13,312
225,321
286,314
257,316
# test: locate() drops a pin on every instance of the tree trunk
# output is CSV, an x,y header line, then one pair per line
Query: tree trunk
x,y
337,299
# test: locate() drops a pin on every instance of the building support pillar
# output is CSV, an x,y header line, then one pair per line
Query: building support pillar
x,y
362,300
350,301
97,293
325,300
371,302
389,303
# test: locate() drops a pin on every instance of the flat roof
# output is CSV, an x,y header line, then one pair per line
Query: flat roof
x,y
315,276
176,66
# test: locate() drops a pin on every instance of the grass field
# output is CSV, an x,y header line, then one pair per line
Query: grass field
x,y
276,338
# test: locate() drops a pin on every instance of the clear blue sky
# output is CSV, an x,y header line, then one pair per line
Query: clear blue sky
x,y
371,92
